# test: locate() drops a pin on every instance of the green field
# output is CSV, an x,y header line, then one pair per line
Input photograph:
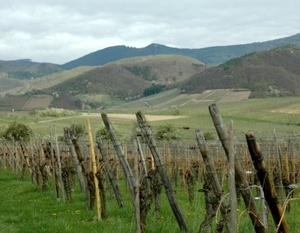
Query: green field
x,y
25,208
261,116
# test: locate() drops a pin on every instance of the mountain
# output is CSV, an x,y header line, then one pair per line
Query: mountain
x,y
27,69
210,56
270,73
103,86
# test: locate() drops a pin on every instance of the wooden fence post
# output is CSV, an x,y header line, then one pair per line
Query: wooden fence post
x,y
79,168
147,133
267,184
131,180
139,148
94,166
120,153
212,174
110,175
240,174
232,188
278,154
63,192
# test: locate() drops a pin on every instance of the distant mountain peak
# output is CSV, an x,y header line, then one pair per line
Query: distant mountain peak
x,y
210,55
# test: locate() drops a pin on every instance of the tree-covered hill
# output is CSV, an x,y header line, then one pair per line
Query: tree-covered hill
x,y
210,56
27,69
271,73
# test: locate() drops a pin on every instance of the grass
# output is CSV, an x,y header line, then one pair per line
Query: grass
x,y
24,208
261,116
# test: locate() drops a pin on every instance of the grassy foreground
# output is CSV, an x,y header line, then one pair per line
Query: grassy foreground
x,y
24,208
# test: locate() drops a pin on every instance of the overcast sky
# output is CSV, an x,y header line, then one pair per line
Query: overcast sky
x,y
59,31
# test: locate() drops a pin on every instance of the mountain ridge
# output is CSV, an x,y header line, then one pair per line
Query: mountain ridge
x,y
211,55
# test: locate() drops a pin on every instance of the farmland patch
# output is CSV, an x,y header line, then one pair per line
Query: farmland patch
x,y
133,117
37,102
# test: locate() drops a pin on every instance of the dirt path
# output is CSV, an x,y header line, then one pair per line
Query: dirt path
x,y
133,117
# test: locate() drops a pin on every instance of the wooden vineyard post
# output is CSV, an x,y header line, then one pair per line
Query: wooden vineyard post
x,y
267,185
139,148
147,133
132,181
110,175
278,154
120,153
63,193
78,168
54,171
137,195
240,174
212,173
232,189
94,166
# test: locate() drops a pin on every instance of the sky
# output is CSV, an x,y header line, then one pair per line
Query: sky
x,y
59,31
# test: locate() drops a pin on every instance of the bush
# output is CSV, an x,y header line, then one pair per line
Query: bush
x,y
167,132
74,131
209,136
17,131
54,112
103,134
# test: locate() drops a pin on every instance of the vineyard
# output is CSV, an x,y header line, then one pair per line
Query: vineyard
x,y
98,183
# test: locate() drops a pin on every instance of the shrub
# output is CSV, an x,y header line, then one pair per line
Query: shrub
x,y
17,131
103,134
167,132
74,131
54,112
209,136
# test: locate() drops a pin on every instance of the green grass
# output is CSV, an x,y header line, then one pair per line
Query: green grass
x,y
261,116
24,208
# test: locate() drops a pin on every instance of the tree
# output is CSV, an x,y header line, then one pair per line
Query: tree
x,y
167,132
17,131
154,89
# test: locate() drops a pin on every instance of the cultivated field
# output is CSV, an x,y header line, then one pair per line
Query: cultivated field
x,y
36,204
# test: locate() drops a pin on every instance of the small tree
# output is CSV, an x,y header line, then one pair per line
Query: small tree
x,y
17,131
103,134
167,132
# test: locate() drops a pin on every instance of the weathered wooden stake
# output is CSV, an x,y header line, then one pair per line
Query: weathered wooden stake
x,y
278,154
212,174
267,184
120,153
147,133
94,166
132,181
137,195
140,151
63,193
109,172
240,174
232,188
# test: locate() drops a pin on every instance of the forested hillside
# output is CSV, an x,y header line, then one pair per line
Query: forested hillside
x,y
210,56
272,73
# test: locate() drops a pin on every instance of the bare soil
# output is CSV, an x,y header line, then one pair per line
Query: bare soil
x,y
133,117
37,102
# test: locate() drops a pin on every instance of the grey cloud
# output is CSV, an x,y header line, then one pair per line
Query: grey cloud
x,y
58,31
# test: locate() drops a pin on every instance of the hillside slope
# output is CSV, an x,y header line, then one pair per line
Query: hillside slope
x,y
27,69
210,56
272,73
102,86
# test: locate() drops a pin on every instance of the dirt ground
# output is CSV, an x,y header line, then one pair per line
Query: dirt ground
x,y
133,117
37,101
